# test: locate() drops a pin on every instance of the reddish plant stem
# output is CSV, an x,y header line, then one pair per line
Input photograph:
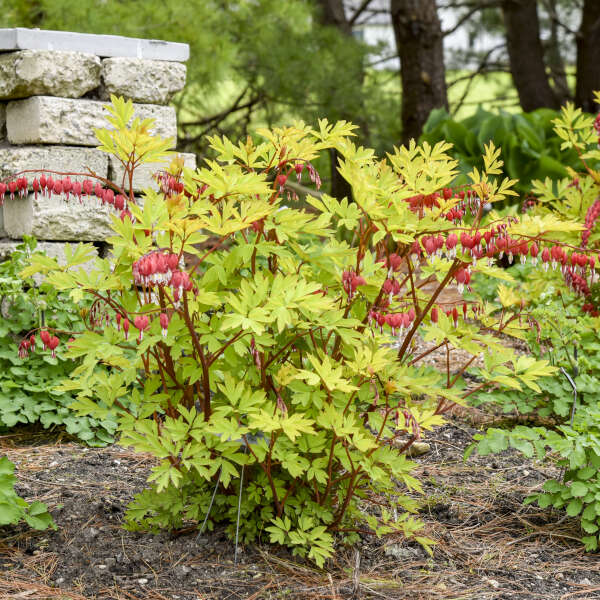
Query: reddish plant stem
x,y
462,370
419,318
424,354
203,361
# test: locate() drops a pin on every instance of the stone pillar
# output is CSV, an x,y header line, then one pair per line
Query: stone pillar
x,y
53,86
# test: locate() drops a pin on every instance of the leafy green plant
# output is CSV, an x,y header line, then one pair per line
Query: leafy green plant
x,y
274,363
13,508
530,146
28,384
565,335
577,452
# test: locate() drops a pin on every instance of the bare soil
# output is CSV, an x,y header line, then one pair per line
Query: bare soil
x,y
489,545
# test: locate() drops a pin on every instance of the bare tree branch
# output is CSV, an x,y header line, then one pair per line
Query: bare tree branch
x,y
474,9
363,6
220,115
550,9
482,68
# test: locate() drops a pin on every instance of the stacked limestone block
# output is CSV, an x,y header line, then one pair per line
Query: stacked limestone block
x,y
53,88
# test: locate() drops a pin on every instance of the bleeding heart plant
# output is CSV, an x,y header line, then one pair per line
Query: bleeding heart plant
x,y
274,363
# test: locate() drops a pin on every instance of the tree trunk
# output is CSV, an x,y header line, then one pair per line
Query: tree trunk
x,y
526,55
333,14
420,46
588,56
554,58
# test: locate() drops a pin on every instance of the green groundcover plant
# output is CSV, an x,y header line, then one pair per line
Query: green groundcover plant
x,y
13,508
564,303
266,354
28,383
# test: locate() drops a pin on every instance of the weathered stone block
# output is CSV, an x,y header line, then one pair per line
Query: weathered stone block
x,y
142,178
48,120
20,38
151,81
42,72
61,159
57,219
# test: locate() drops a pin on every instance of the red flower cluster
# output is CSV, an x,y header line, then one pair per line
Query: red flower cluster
x,y
393,262
455,215
48,341
590,219
168,184
350,281
398,322
433,244
161,269
48,186
467,201
313,175
576,282
25,346
155,268
280,181
391,287
420,201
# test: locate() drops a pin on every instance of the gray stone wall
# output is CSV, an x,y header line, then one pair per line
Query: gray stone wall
x,y
53,87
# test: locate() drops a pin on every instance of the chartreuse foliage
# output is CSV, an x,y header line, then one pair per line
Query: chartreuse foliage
x,y
266,360
573,196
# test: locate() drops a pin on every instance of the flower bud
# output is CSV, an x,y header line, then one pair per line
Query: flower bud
x,y
77,187
120,202
164,323
141,323
45,337
172,262
88,187
53,344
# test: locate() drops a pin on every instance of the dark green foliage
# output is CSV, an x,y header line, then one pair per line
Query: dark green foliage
x,y
13,508
577,452
530,147
27,385
571,436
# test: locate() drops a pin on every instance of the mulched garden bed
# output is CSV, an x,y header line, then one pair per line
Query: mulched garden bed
x,y
489,546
